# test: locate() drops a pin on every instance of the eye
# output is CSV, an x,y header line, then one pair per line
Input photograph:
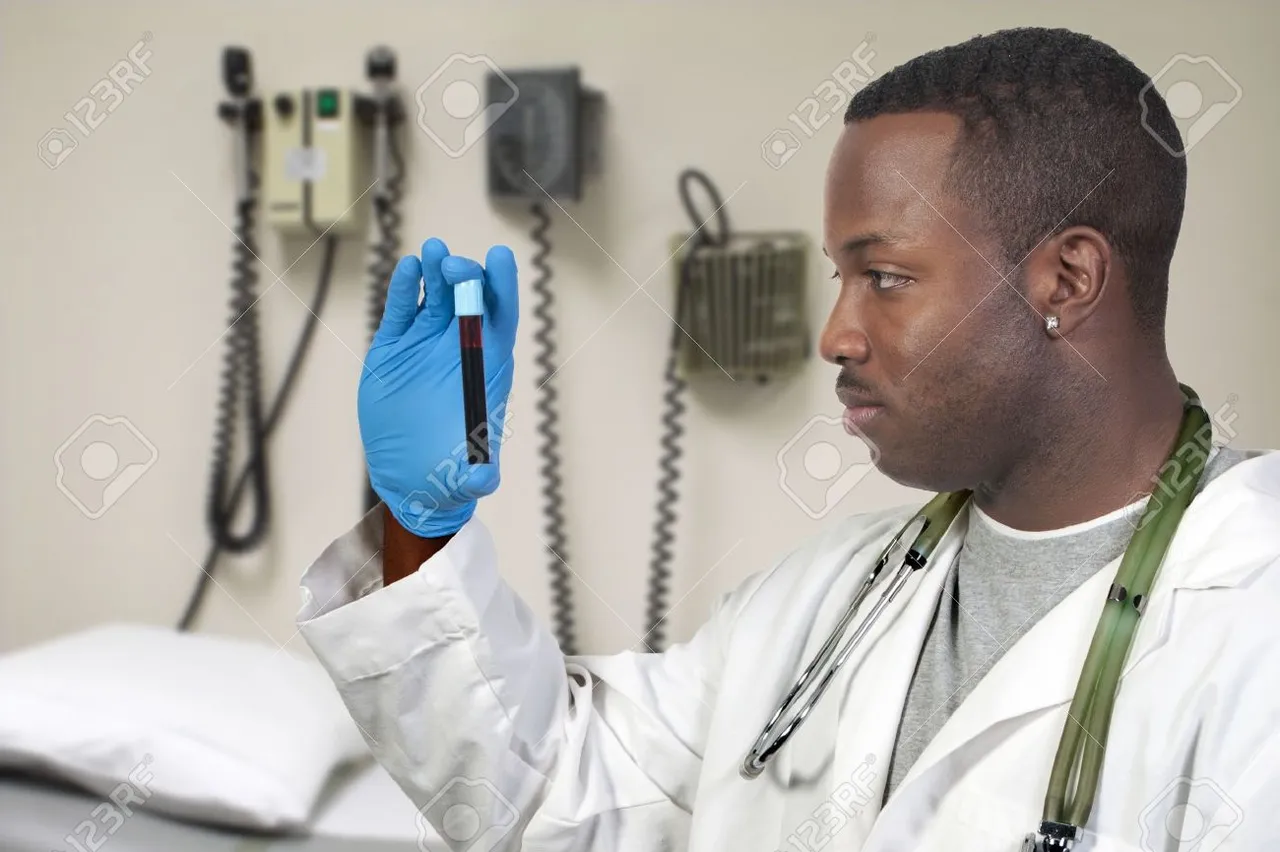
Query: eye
x,y
835,275
886,280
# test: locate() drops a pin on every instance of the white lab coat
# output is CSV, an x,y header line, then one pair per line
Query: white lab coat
x,y
464,697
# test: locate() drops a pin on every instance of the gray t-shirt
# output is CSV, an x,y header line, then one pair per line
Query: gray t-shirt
x,y
1002,583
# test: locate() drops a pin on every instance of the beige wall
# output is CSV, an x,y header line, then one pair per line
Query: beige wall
x,y
115,289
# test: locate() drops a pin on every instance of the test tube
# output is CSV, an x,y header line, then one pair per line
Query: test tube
x,y
468,307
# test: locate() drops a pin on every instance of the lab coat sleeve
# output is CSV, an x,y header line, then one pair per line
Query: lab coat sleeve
x,y
464,697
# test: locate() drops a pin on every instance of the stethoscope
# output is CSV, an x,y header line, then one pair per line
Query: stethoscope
x,y
1079,757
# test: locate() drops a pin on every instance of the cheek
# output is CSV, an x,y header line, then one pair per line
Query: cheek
x,y
913,339
915,345
956,325
974,373
948,365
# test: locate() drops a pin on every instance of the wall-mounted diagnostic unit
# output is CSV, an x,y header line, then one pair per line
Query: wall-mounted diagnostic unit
x,y
314,162
546,140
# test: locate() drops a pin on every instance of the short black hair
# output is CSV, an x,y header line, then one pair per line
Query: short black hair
x,y
1058,131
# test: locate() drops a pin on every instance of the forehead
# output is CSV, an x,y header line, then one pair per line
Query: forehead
x,y
886,176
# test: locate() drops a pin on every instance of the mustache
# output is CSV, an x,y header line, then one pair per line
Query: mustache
x,y
845,381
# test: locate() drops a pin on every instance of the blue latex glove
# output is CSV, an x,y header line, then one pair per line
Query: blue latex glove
x,y
412,420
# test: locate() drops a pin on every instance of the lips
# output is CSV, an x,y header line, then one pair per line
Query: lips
x,y
859,409
855,400
855,419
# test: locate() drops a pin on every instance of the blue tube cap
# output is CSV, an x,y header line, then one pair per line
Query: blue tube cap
x,y
468,298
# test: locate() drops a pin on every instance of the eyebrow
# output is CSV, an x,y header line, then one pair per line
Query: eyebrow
x,y
861,241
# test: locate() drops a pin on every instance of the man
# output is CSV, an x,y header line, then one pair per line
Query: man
x,y
1001,219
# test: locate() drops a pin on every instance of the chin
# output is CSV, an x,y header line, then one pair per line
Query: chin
x,y
926,474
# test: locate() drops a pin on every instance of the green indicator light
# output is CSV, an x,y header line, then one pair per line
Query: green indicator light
x,y
327,103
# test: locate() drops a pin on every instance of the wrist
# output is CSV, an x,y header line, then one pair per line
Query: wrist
x,y
404,552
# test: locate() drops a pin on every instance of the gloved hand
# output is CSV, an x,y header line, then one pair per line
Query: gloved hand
x,y
412,420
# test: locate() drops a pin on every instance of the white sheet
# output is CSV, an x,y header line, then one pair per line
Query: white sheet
x,y
362,811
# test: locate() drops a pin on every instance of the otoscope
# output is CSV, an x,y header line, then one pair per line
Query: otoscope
x,y
468,307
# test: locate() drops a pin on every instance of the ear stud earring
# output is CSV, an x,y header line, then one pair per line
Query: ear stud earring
x,y
1051,325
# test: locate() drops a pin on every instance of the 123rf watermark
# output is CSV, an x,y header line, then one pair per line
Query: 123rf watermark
x,y
107,817
467,815
818,466
100,461
447,479
1195,813
846,802
1188,460
452,108
1198,92
829,98
105,97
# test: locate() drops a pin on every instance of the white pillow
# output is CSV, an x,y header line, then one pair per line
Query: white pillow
x,y
203,727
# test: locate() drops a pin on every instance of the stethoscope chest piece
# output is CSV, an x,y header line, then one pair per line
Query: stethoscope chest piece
x,y
1052,837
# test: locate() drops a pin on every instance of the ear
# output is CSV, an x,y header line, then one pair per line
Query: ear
x,y
1067,274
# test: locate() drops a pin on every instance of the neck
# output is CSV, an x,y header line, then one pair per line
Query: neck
x,y
1094,458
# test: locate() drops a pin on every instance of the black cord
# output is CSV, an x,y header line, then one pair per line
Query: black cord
x,y
243,376
553,508
386,255
673,400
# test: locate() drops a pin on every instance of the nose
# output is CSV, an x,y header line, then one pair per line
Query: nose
x,y
844,337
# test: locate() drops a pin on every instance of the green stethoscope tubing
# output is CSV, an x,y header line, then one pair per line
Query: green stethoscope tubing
x,y
1090,711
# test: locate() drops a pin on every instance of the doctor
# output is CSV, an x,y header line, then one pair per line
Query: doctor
x,y
1000,222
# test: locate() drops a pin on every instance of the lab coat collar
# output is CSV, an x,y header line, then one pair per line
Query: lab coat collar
x,y
1228,532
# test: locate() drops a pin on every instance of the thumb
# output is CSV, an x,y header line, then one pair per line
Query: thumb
x,y
457,269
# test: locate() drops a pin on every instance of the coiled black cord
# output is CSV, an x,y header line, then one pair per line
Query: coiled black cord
x,y
673,400
385,252
553,508
663,537
242,376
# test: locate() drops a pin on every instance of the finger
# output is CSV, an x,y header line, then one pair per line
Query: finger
x,y
437,299
457,269
502,295
450,270
402,300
